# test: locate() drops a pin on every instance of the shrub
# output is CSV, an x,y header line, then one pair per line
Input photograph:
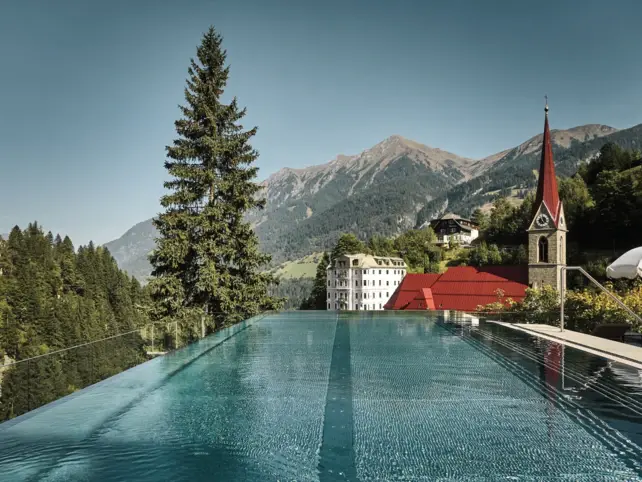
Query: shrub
x,y
586,309
583,310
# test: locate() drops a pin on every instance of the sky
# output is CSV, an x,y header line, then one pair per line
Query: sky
x,y
89,90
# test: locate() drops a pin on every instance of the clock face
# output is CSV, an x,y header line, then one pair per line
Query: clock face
x,y
542,220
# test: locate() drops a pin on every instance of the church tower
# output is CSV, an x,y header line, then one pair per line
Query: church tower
x,y
547,231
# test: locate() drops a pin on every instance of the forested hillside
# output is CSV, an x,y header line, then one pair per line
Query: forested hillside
x,y
396,185
519,170
52,297
603,207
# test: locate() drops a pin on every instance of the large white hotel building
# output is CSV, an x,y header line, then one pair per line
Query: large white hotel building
x,y
362,281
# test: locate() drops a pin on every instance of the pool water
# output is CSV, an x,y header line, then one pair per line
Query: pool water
x,y
357,396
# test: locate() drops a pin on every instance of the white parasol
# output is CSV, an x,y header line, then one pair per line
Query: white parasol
x,y
629,265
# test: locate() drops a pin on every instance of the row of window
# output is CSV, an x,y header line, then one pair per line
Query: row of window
x,y
338,284
342,295
357,307
374,271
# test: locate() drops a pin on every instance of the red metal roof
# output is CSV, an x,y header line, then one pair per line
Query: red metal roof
x,y
408,290
486,274
462,288
547,183
415,282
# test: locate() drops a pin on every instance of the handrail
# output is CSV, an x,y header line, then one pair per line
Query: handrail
x,y
92,342
596,283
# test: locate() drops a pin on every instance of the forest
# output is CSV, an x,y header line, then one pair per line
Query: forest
x,y
603,206
53,296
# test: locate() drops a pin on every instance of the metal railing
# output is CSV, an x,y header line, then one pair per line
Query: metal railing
x,y
596,283
36,380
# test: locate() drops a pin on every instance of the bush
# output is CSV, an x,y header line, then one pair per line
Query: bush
x,y
586,309
583,310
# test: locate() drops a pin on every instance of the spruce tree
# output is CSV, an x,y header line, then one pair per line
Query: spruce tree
x,y
317,299
207,258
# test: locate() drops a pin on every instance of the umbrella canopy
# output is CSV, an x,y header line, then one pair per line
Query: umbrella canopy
x,y
629,265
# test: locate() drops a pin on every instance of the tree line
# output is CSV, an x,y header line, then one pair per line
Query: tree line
x,y
52,297
603,207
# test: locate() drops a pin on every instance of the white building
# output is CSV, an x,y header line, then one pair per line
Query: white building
x,y
362,281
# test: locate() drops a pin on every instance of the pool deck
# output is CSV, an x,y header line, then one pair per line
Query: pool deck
x,y
613,350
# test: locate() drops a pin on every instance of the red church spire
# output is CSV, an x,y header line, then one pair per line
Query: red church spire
x,y
547,184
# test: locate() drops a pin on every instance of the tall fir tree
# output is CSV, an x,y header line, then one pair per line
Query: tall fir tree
x,y
317,299
208,258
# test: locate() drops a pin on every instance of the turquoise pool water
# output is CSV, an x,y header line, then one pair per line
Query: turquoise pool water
x,y
365,396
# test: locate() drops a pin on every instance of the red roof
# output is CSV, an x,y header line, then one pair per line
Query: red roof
x,y
462,288
547,184
407,291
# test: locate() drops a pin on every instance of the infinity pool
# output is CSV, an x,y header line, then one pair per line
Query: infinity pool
x,y
366,396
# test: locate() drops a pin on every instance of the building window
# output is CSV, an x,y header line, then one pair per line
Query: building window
x,y
379,305
386,271
356,282
379,282
356,306
387,294
387,283
336,306
335,295
355,262
380,294
328,282
379,271
542,248
328,305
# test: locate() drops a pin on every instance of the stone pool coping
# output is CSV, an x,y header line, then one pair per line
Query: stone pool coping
x,y
613,350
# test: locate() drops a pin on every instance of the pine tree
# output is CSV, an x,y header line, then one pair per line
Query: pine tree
x,y
348,243
317,299
208,259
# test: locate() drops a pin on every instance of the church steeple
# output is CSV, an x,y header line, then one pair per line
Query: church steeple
x,y
547,232
547,184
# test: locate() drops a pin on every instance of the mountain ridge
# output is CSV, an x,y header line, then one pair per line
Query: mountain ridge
x,y
382,190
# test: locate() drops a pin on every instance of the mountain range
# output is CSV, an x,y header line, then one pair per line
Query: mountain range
x,y
396,185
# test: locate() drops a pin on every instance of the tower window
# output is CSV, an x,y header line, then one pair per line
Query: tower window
x,y
542,249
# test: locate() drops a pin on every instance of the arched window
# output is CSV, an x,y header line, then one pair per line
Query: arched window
x,y
542,248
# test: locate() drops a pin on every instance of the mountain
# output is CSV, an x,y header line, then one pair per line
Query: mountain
x,y
395,185
516,171
377,191
132,248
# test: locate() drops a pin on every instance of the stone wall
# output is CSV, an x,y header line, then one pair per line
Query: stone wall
x,y
540,274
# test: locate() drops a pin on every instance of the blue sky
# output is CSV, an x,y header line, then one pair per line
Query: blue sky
x,y
89,90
